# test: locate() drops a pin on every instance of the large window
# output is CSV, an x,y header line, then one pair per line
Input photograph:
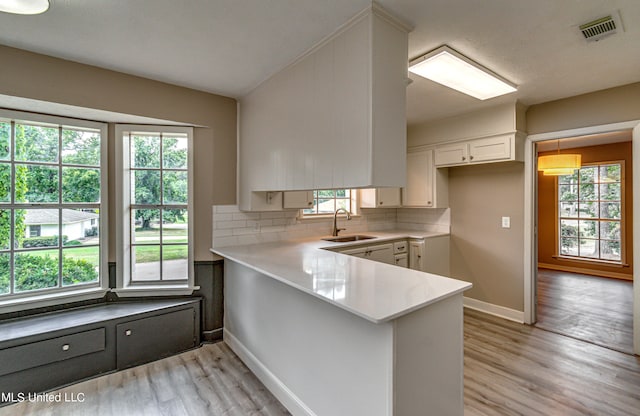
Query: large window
x,y
156,209
326,201
52,188
590,213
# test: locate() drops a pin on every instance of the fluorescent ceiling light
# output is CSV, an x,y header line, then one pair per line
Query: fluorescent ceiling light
x,y
24,6
454,70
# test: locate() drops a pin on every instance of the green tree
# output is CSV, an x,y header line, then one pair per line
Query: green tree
x,y
147,186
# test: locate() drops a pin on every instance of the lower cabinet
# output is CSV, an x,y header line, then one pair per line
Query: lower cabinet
x,y
149,339
376,252
43,352
429,255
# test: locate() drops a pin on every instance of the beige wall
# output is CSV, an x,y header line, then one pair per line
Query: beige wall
x,y
39,77
482,252
597,108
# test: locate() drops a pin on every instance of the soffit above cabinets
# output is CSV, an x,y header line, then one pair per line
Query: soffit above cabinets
x,y
229,47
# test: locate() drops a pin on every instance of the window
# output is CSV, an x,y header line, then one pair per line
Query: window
x,y
155,218
51,179
326,201
590,212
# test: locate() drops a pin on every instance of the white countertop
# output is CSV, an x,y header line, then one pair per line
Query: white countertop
x,y
374,291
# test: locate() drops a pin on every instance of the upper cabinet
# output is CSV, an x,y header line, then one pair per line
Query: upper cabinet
x,y
426,185
504,147
380,198
334,118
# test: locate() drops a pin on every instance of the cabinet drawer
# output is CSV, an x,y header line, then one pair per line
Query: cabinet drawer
x,y
402,260
400,247
152,338
51,350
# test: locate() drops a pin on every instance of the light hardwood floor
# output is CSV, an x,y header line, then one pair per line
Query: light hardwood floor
x,y
590,308
510,369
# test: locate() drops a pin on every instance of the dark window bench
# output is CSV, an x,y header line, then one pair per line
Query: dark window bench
x,y
42,352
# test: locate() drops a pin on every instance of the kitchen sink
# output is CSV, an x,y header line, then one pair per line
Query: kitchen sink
x,y
348,238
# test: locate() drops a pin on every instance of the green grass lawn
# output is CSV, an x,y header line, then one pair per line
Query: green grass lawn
x,y
144,254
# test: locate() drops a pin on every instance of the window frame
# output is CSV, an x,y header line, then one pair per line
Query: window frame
x,y
353,202
620,263
53,296
124,285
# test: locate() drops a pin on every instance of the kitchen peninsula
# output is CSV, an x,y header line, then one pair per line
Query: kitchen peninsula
x,y
332,334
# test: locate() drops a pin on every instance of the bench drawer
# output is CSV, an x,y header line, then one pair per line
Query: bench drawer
x,y
51,350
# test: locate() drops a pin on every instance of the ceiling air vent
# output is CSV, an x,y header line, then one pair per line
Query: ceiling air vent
x,y
600,28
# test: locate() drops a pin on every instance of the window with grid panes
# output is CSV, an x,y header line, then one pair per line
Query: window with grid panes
x,y
52,189
590,212
325,202
156,211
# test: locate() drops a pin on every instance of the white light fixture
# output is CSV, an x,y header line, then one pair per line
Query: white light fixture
x,y
24,6
454,70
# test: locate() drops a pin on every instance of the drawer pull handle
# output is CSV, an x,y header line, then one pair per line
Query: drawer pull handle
x,y
464,158
128,332
66,347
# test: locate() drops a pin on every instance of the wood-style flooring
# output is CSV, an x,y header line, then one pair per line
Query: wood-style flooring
x,y
589,308
210,380
516,369
510,369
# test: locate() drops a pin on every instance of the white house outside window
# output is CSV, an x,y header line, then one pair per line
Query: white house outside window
x,y
155,208
52,186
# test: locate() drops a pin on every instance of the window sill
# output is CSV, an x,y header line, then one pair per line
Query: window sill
x,y
158,290
50,299
591,261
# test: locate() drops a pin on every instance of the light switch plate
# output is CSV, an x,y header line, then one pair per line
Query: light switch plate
x,y
506,222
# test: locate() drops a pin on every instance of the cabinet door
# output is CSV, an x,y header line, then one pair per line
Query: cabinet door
x,y
453,154
402,260
148,339
491,148
419,190
380,198
388,197
357,252
416,255
298,199
382,253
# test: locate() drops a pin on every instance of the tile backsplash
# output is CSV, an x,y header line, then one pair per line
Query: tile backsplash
x,y
234,227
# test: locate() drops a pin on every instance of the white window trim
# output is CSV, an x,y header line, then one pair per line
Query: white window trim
x,y
44,297
124,287
355,210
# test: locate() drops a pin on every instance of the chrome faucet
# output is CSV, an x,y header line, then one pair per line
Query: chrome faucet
x,y
336,230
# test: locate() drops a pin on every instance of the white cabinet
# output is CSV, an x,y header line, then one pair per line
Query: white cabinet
x,y
380,198
298,199
266,201
452,154
333,119
505,147
416,254
400,253
426,185
376,252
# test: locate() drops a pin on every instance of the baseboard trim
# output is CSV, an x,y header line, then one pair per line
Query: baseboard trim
x,y
590,272
212,336
496,310
271,382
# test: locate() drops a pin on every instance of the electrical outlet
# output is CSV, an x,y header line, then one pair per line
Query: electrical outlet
x,y
506,222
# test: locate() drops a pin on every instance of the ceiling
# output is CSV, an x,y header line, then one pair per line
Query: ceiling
x,y
228,46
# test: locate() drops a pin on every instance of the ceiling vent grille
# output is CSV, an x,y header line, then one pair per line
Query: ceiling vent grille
x,y
600,28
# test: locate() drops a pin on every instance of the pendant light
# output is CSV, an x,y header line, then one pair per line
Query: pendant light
x,y
559,164
24,6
